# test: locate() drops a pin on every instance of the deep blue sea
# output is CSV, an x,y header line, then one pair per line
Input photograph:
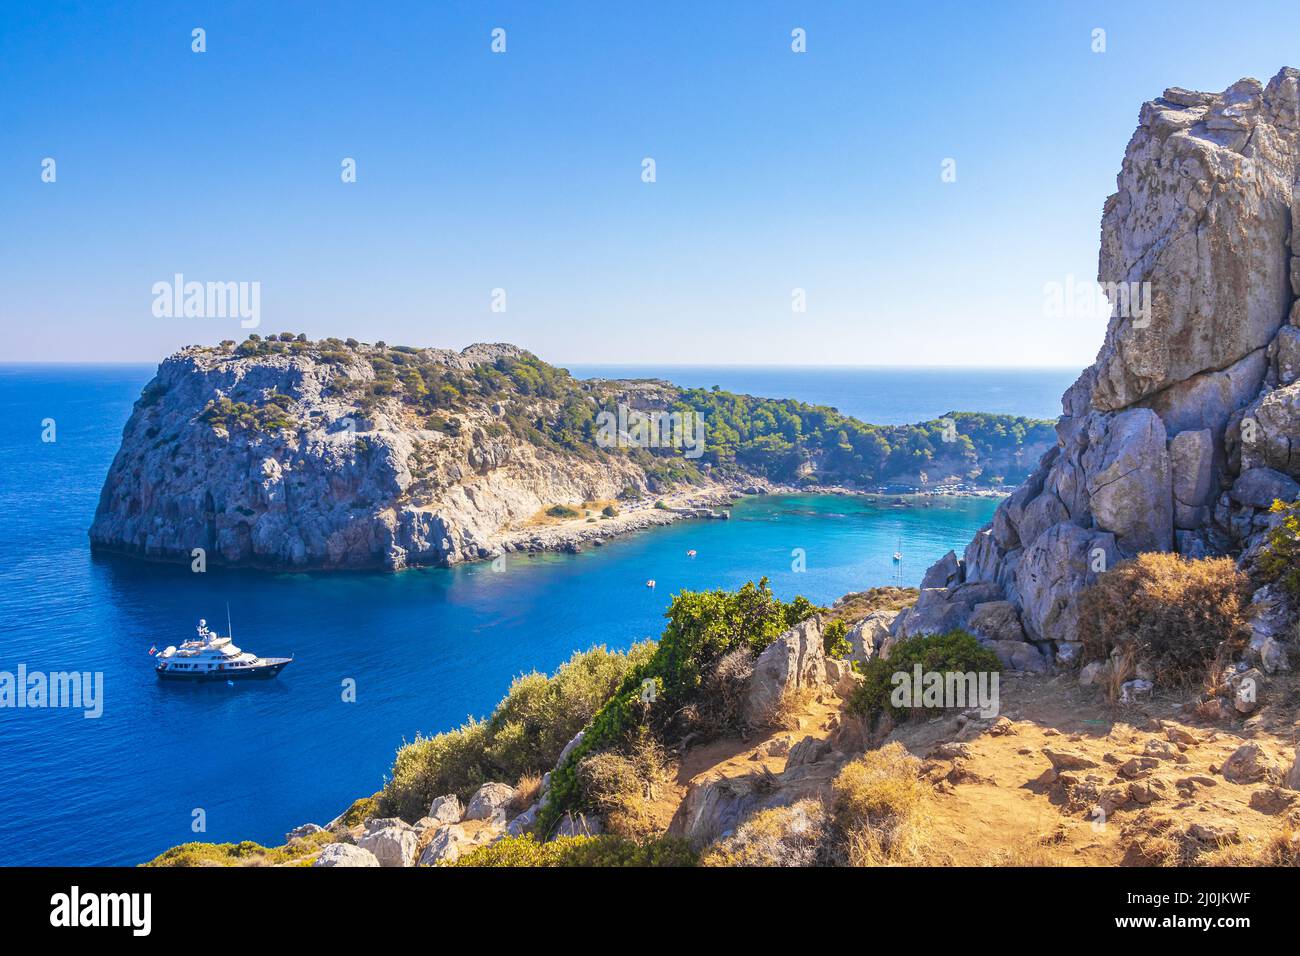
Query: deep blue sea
x,y
426,648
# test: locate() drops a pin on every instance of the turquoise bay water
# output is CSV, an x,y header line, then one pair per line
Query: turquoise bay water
x,y
426,648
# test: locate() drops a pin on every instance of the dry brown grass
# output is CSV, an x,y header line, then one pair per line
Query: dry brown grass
x,y
1174,613
622,787
790,709
588,509
527,790
784,836
1123,666
1281,849
880,808
854,607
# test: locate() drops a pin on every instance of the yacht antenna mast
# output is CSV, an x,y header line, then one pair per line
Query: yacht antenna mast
x,y
230,631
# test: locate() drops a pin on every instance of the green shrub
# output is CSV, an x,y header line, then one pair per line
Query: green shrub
x,y
561,511
609,511
272,415
1280,559
1177,614
246,853
953,652
360,811
703,628
835,640
524,735
593,851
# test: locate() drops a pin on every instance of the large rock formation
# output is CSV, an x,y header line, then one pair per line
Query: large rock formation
x,y
272,460
1188,424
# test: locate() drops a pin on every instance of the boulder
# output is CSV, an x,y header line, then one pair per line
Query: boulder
x,y
569,748
793,661
1134,690
716,806
1293,775
870,635
1260,487
1249,764
1128,480
808,750
1020,656
446,846
842,678
1094,672
345,854
996,621
306,830
489,802
1287,360
1068,760
391,846
946,572
578,824
1055,568
1270,442
446,809
1191,462
524,822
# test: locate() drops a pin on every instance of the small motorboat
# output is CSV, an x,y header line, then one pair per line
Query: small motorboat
x,y
690,553
213,657
650,583
898,554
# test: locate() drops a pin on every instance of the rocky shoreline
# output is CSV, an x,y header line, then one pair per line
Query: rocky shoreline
x,y
693,503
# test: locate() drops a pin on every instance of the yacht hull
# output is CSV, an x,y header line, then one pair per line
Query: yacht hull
x,y
258,672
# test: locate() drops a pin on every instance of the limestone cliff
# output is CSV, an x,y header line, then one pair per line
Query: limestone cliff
x,y
1187,426
293,457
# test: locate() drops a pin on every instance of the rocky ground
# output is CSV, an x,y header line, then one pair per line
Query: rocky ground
x,y
1059,777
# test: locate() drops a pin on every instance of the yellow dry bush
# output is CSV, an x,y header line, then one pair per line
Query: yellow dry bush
x,y
783,836
880,808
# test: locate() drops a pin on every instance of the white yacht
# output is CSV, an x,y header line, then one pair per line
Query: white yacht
x,y
213,657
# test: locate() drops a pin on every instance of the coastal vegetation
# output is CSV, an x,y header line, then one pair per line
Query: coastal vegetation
x,y
689,688
853,607
1280,557
602,850
524,734
272,414
1175,614
956,651
246,853
779,439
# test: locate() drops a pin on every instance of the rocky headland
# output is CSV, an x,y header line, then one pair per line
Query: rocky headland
x,y
285,453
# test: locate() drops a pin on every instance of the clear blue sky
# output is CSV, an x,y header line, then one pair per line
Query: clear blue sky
x,y
522,171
